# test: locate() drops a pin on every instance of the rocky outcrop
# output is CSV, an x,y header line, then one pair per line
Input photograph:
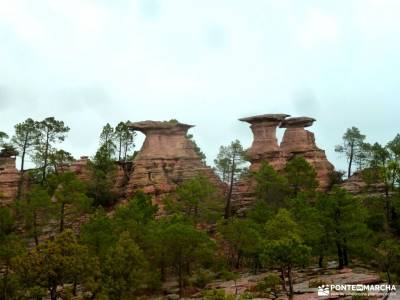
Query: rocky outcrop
x,y
9,180
265,144
80,168
297,141
264,147
357,185
166,159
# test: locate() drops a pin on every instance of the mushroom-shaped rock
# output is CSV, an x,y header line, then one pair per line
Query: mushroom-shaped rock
x,y
297,122
164,140
296,139
166,159
299,141
264,134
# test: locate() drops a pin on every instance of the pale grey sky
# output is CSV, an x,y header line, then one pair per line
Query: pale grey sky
x,y
203,62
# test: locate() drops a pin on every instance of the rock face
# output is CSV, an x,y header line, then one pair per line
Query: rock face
x,y
166,159
356,185
9,179
297,141
80,168
265,144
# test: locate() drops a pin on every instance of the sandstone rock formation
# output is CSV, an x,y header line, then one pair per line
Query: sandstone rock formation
x,y
80,168
9,179
166,159
356,185
298,141
265,144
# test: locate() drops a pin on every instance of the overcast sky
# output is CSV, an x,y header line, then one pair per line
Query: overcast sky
x,y
203,62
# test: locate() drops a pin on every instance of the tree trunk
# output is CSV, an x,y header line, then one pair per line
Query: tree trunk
x,y
239,256
283,279
228,198
162,271
74,289
388,276
120,149
35,233
62,217
180,279
350,160
320,260
340,255
290,278
53,292
21,178
46,154
345,255
4,291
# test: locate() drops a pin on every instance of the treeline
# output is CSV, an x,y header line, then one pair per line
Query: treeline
x,y
130,253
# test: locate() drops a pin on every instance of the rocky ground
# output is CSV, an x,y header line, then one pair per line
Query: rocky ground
x,y
305,282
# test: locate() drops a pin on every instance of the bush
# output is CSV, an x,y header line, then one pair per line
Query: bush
x,y
215,294
202,278
316,283
270,285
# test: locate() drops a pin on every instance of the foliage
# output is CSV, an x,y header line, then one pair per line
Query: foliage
x,y
35,211
53,263
68,192
124,269
301,176
284,247
102,177
198,199
343,218
243,239
229,165
197,149
352,147
271,187
50,132
25,138
124,138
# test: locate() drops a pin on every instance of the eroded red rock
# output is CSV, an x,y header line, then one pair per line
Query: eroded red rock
x,y
9,180
299,141
166,159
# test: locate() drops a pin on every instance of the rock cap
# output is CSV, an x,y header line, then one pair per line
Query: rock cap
x,y
266,117
297,122
149,125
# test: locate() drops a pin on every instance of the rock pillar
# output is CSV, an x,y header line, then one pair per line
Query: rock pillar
x,y
166,159
299,141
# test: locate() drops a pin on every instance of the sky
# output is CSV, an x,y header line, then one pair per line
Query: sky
x,y
203,62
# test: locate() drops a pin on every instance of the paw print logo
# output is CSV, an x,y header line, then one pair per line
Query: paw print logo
x,y
323,290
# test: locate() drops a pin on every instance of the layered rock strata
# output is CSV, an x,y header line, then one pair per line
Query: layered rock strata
x,y
297,141
264,147
9,180
357,185
166,159
265,144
